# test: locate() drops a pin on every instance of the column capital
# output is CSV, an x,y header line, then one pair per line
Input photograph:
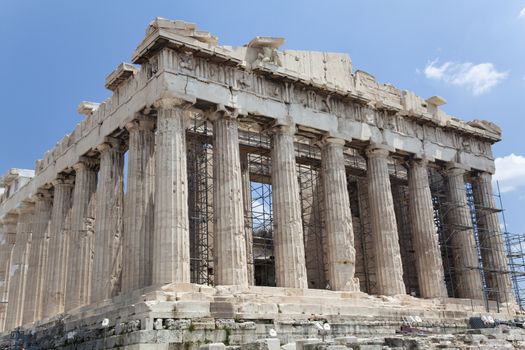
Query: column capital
x,y
10,219
42,194
141,122
453,168
287,129
26,207
379,150
483,175
86,163
63,179
172,102
220,111
110,143
419,161
330,140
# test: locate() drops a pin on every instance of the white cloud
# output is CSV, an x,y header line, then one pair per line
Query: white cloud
x,y
510,172
522,13
478,78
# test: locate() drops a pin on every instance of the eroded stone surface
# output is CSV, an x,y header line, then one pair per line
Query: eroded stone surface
x,y
109,258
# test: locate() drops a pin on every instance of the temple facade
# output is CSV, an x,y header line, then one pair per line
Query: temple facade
x,y
224,182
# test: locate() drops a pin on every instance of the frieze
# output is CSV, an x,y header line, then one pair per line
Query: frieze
x,y
385,118
238,78
362,103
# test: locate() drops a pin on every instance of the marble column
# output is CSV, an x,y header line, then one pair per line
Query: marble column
x,y
58,248
19,262
338,218
3,271
107,261
461,237
387,255
36,273
247,203
228,221
138,205
80,259
492,242
171,236
429,265
290,263
9,224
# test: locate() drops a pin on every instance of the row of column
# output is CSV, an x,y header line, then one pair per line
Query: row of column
x,y
230,247
88,242
7,237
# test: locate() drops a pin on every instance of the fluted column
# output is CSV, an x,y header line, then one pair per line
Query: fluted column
x,y
429,265
387,255
19,262
37,258
138,205
9,224
58,248
107,261
338,218
290,263
3,271
461,237
228,220
80,258
493,252
171,237
247,203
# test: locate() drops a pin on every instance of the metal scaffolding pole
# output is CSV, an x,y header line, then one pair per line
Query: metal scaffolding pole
x,y
200,201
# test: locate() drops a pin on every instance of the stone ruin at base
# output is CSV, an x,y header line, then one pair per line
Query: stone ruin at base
x,y
265,191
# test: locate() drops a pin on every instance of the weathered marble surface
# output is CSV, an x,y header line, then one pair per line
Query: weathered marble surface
x,y
346,104
294,98
185,314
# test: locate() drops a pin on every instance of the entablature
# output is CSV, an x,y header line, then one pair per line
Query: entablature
x,y
188,64
360,86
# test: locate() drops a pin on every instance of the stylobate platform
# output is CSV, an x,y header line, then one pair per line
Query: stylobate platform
x,y
189,315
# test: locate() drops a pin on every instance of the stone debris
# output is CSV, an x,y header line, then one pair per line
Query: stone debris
x,y
506,338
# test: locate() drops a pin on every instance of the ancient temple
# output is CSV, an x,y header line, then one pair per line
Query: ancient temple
x,y
220,192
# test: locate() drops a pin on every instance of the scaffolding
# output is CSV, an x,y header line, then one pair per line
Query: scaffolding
x,y
357,188
408,259
488,293
482,238
515,246
255,151
439,201
399,183
449,230
200,200
256,148
262,217
312,201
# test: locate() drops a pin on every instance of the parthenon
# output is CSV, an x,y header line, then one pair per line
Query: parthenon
x,y
251,186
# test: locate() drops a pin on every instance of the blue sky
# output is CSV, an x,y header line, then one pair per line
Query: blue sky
x,y
57,53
